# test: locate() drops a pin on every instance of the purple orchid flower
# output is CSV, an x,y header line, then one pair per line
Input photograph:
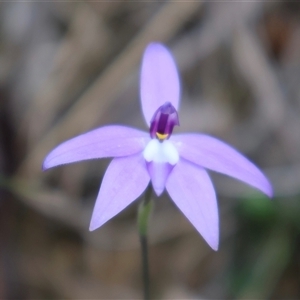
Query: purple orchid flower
x,y
175,162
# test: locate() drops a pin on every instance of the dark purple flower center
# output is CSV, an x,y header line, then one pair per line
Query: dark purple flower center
x,y
163,121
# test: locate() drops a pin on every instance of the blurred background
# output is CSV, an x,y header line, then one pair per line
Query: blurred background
x,y
66,68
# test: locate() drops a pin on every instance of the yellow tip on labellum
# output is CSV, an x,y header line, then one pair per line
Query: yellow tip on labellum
x,y
161,136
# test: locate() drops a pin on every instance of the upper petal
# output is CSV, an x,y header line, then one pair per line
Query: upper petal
x,y
159,80
213,154
192,191
108,141
124,181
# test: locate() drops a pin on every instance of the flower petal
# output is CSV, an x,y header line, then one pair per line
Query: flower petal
x,y
215,155
124,181
159,80
192,191
108,141
159,173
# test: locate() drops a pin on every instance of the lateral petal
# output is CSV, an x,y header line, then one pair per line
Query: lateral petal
x,y
191,189
215,155
108,141
159,80
124,181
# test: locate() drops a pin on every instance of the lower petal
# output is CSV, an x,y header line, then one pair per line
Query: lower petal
x,y
191,189
124,181
159,173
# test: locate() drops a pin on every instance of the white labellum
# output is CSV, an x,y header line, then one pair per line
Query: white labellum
x,y
161,152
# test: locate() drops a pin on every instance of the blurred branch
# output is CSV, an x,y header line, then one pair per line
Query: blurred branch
x,y
78,58
217,27
252,62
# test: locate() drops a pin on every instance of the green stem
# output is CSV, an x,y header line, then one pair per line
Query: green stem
x,y
144,211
